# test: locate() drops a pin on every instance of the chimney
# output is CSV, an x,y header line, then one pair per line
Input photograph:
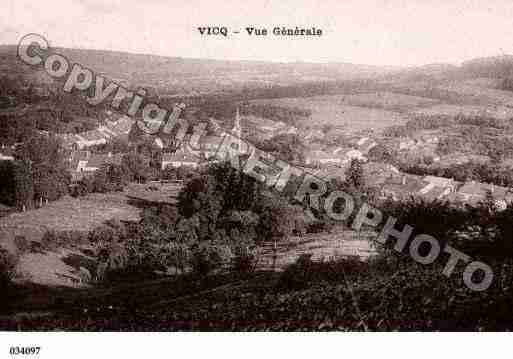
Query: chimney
x,y
403,181
110,154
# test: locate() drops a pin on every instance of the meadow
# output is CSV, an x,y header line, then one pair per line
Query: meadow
x,y
333,110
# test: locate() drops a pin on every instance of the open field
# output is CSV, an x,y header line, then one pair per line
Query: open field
x,y
388,101
86,213
333,110
154,192
67,214
482,91
499,112
322,246
55,268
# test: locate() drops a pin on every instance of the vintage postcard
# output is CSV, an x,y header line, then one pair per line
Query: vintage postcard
x,y
257,166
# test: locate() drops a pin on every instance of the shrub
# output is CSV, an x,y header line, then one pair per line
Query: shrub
x,y
176,255
22,244
103,233
8,264
56,239
111,259
208,256
297,275
49,241
83,187
244,255
304,271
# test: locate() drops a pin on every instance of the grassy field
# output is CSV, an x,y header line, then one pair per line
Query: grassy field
x,y
86,213
67,214
50,267
499,112
334,110
482,90
154,192
322,246
388,101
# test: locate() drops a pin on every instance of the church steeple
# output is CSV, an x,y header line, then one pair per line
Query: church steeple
x,y
237,130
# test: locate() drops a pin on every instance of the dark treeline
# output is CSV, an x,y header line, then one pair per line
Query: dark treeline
x,y
471,171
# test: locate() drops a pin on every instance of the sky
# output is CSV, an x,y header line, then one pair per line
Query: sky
x,y
378,32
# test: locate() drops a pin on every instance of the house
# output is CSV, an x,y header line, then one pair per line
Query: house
x,y
5,210
319,157
377,173
90,138
121,126
68,140
6,153
317,146
348,153
101,135
182,157
84,163
78,160
430,139
507,163
437,187
440,181
459,158
474,192
362,141
313,135
96,161
205,148
355,154
330,172
209,145
159,143
407,144
401,187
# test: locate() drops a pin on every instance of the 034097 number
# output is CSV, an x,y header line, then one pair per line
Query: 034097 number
x,y
24,350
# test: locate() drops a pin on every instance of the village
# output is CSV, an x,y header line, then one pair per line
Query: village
x,y
322,156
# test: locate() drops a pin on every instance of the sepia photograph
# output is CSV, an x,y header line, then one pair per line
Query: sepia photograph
x,y
257,166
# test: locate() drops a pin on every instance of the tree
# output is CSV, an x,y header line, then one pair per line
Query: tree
x,y
383,153
7,183
217,197
327,128
354,174
100,180
47,159
137,166
287,147
24,187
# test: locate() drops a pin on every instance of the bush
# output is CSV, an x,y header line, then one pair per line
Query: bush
x,y
304,271
103,233
83,187
22,244
297,275
244,255
176,255
8,263
207,257
112,259
56,239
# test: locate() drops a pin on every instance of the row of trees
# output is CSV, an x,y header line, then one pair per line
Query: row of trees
x,y
220,217
39,173
134,167
471,171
